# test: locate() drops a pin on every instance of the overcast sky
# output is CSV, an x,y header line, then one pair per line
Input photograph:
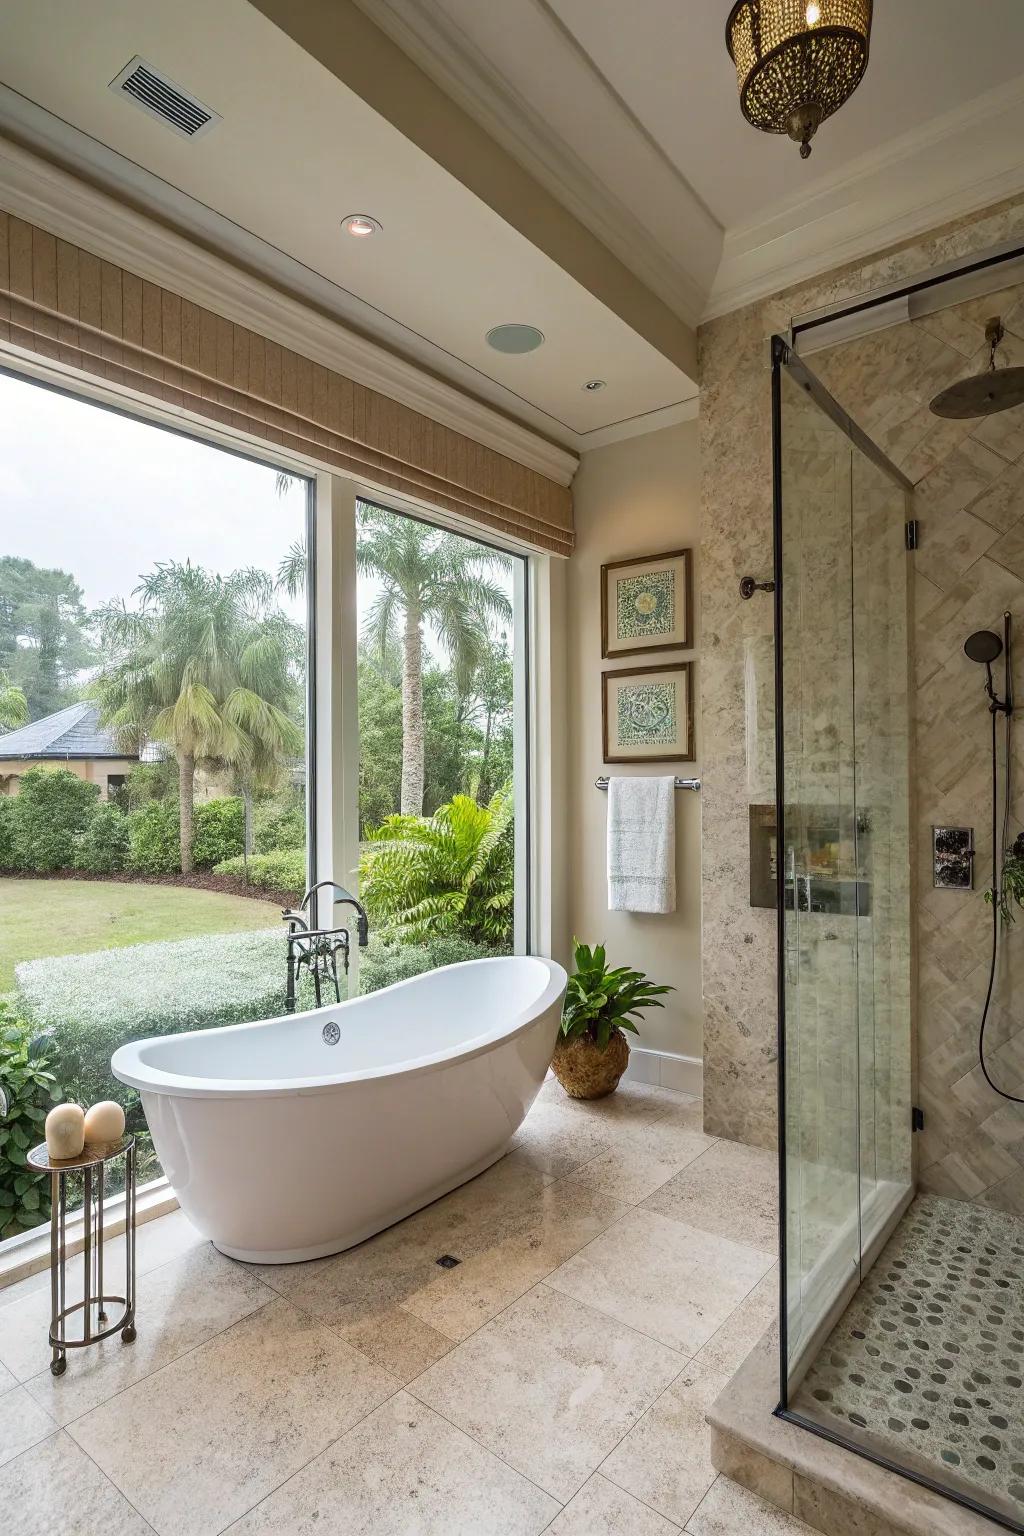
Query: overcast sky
x,y
105,497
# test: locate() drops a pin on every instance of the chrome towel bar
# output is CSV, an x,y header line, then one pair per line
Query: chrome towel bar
x,y
694,784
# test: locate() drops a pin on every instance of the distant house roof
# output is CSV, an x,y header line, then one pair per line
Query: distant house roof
x,y
71,732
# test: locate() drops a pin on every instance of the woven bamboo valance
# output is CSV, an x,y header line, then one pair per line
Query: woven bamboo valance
x,y
62,302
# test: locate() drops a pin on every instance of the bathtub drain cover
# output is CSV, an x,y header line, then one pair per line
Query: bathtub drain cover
x,y
447,1261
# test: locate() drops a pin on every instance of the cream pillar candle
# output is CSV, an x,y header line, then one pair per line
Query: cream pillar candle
x,y
65,1131
104,1122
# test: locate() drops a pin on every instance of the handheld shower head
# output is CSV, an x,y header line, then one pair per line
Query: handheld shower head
x,y
984,646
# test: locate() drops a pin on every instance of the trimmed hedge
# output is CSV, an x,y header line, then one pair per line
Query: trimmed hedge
x,y
218,831
10,858
102,849
385,961
52,809
280,823
154,839
88,1005
282,871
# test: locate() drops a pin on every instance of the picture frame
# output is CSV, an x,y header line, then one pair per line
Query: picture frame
x,y
647,714
647,604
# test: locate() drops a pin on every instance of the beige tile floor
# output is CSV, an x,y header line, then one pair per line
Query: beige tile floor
x,y
615,1268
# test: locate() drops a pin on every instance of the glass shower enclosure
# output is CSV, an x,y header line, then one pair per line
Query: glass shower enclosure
x,y
844,859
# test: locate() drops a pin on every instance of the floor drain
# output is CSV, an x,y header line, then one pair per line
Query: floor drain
x,y
447,1261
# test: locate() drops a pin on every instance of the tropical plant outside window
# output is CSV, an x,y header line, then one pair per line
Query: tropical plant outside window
x,y
153,816
436,727
152,752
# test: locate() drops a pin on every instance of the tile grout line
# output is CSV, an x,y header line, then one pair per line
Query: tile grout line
x,y
652,1405
603,1316
318,1322
193,1349
407,1387
717,1479
642,1502
54,1435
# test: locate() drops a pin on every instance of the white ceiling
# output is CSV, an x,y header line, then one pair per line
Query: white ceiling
x,y
624,116
297,151
671,68
632,110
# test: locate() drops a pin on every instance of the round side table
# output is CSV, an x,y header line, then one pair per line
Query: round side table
x,y
95,1300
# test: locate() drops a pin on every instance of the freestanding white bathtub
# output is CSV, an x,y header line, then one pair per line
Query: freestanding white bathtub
x,y
296,1137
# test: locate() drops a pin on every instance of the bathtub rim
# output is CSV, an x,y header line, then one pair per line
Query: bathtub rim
x,y
128,1067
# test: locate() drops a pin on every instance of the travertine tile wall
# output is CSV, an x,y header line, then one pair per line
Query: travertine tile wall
x,y
969,506
969,478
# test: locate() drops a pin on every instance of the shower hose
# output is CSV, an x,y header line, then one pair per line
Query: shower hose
x,y
1000,833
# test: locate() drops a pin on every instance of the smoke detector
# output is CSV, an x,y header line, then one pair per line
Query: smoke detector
x,y
151,90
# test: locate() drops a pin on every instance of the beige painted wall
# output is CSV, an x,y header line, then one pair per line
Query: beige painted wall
x,y
637,497
92,770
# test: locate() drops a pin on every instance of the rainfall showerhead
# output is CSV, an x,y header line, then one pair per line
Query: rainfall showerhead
x,y
984,645
997,389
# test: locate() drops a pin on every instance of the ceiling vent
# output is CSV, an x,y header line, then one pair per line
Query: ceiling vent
x,y
161,98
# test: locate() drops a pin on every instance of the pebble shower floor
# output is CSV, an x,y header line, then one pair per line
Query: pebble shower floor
x,y
929,1356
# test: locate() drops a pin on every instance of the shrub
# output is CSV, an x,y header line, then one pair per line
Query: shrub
x,y
450,873
154,846
102,848
51,809
28,1085
88,1005
151,781
284,871
10,856
385,961
280,823
218,831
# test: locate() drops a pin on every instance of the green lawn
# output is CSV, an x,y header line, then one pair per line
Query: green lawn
x,y
74,917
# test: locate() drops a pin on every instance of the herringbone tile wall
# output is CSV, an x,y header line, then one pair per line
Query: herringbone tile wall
x,y
969,478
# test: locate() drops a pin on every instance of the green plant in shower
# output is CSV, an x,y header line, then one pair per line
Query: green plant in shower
x,y
1011,884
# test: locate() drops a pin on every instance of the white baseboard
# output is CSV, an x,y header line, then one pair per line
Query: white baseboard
x,y
666,1069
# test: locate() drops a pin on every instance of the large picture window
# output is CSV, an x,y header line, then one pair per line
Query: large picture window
x,y
222,680
154,643
441,766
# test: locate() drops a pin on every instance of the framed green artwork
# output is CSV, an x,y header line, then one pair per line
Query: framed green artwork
x,y
647,714
647,604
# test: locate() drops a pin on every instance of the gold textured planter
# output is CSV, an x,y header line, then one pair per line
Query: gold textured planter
x,y
586,1072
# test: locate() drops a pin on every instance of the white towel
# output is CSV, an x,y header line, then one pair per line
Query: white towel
x,y
641,845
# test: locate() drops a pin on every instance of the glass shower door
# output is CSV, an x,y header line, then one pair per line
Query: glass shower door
x,y
842,761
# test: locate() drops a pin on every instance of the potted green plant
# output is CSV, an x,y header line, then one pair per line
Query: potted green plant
x,y
592,1051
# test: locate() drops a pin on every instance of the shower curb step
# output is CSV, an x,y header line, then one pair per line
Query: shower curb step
x,y
829,1488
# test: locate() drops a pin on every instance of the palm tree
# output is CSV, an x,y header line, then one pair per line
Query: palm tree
x,y
207,666
13,704
262,704
427,577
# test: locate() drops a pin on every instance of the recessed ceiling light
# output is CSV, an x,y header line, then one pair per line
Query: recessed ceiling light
x,y
515,338
594,384
360,225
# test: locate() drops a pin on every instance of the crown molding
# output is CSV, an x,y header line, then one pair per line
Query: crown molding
x,y
638,426
434,42
40,192
956,164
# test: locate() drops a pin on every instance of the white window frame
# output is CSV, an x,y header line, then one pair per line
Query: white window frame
x,y
538,703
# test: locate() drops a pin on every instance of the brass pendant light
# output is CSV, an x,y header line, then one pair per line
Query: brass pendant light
x,y
797,61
